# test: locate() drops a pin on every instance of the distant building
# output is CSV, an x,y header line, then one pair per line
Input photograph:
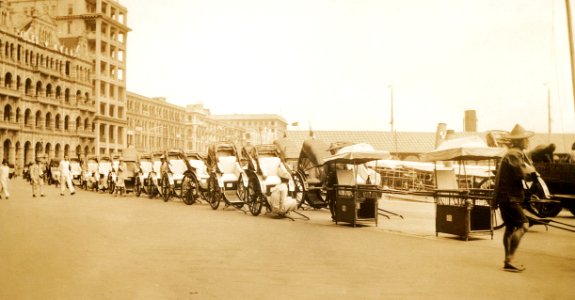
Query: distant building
x,y
260,129
155,125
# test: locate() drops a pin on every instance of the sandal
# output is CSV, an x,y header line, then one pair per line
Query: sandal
x,y
513,268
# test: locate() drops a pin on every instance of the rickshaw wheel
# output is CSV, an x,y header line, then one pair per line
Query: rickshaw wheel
x,y
242,193
151,188
215,195
166,191
544,210
299,192
138,187
111,184
253,198
189,189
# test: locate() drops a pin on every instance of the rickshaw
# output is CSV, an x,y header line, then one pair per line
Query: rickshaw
x,y
113,174
198,162
225,171
180,180
309,177
53,171
89,173
264,172
76,171
144,182
104,169
154,176
130,158
355,199
460,208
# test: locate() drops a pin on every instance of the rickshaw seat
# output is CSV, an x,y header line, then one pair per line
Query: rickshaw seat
x,y
270,167
229,167
200,167
178,166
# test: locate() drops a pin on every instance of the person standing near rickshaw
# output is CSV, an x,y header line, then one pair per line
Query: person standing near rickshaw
x,y
121,177
37,178
513,169
66,176
4,178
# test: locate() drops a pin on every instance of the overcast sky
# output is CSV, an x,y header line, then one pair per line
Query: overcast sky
x,y
330,63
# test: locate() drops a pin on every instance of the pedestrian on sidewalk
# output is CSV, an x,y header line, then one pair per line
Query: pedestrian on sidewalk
x,y
513,169
66,176
37,178
4,178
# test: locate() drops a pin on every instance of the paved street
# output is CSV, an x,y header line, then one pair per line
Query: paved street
x,y
95,246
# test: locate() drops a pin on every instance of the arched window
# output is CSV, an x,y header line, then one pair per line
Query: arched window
x,y
38,88
67,95
48,123
37,119
58,93
8,80
48,90
27,116
66,123
27,87
57,122
7,113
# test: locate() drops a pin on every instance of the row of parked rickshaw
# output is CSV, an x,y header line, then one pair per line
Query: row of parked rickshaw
x,y
241,179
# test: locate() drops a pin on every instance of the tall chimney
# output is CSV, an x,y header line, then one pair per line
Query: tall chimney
x,y
470,122
440,133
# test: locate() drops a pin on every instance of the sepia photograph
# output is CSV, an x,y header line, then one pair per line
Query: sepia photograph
x,y
275,149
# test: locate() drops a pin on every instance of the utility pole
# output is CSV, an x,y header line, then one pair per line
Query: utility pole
x,y
392,121
548,113
571,47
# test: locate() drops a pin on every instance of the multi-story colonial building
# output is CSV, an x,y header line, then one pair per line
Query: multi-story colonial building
x,y
260,129
46,98
100,26
154,124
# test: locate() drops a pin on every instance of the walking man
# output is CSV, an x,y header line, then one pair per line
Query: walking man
x,y
37,178
4,178
66,176
513,169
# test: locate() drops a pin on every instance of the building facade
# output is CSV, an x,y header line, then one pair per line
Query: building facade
x,y
46,96
259,128
155,125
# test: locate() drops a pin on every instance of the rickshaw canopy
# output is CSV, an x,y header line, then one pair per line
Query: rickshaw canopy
x,y
130,154
357,157
315,151
466,148
288,148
